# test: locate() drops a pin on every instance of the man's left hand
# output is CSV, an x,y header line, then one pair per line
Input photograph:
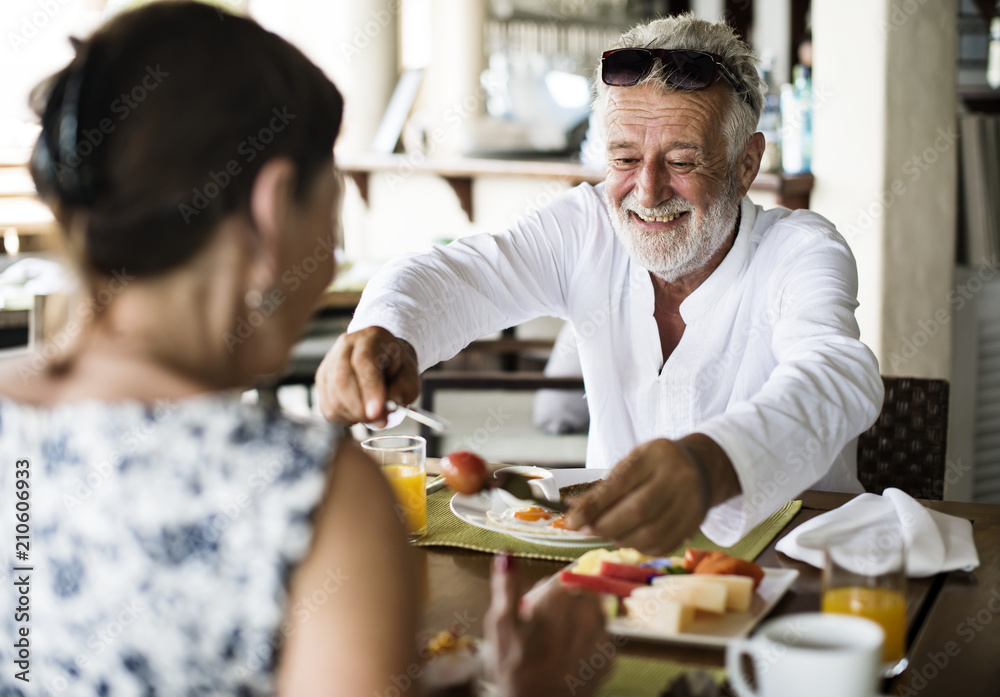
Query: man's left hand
x,y
654,499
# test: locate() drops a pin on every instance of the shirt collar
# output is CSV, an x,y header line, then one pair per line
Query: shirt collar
x,y
727,272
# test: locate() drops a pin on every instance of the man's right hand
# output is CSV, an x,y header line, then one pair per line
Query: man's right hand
x,y
363,370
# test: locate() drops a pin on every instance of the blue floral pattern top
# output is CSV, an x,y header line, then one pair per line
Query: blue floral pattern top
x,y
162,538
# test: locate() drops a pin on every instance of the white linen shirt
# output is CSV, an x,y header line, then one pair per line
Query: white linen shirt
x,y
769,366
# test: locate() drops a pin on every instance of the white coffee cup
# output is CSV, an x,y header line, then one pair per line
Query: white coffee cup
x,y
815,654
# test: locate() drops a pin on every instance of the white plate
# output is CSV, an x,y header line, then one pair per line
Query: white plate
x,y
472,509
709,630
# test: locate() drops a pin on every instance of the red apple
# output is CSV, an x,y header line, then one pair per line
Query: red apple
x,y
465,472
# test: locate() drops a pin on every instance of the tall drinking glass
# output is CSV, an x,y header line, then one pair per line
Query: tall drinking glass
x,y
403,461
865,575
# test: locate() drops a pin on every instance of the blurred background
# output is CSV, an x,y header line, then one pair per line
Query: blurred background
x,y
462,115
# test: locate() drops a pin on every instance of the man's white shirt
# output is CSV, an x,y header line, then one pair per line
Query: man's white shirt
x,y
770,365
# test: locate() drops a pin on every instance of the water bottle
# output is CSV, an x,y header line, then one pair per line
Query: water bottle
x,y
993,66
796,126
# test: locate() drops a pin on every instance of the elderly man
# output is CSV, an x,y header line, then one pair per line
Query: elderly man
x,y
718,341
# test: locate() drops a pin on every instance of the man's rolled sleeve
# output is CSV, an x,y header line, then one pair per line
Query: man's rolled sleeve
x,y
824,391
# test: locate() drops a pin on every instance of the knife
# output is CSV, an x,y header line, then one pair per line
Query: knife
x,y
435,484
425,417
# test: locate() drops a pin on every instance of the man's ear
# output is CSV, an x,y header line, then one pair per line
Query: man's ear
x,y
749,162
271,199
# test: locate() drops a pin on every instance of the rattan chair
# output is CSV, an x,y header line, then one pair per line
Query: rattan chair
x,y
906,447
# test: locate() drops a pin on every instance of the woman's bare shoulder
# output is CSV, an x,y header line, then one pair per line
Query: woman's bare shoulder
x,y
25,380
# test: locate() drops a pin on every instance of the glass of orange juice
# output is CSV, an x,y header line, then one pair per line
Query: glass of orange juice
x,y
865,575
403,460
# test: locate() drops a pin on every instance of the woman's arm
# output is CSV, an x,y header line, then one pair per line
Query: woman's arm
x,y
354,597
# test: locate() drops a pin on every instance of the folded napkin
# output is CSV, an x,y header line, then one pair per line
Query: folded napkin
x,y
933,541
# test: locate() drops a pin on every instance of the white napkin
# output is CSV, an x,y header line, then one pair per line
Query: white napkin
x,y
933,541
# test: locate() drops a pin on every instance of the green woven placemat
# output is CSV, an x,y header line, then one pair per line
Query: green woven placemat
x,y
648,677
445,529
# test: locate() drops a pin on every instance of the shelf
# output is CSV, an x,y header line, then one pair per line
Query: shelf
x,y
792,190
980,99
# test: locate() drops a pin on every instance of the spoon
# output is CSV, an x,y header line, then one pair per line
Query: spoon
x,y
427,418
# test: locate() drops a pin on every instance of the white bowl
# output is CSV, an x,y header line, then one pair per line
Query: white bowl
x,y
541,482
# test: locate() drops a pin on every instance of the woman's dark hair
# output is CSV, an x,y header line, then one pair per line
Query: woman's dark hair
x,y
160,124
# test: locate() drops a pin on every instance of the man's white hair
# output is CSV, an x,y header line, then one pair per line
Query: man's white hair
x,y
689,32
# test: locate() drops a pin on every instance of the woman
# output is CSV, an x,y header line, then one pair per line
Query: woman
x,y
184,543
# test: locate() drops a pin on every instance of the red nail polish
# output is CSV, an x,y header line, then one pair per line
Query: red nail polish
x,y
506,561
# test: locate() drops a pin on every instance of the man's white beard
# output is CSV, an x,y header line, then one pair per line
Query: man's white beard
x,y
687,246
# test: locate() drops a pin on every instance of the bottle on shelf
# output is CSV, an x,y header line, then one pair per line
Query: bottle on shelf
x,y
993,64
796,122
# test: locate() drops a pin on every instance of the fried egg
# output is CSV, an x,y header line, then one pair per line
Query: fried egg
x,y
533,520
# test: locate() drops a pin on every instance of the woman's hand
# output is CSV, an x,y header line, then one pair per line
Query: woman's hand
x,y
554,645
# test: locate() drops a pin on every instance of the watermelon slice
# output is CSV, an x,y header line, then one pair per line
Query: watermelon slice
x,y
626,572
599,584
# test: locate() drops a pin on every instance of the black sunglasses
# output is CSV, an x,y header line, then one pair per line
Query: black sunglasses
x,y
682,68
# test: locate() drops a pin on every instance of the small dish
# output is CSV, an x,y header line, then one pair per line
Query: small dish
x,y
707,630
541,481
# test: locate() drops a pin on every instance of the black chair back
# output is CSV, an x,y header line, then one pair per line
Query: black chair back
x,y
907,446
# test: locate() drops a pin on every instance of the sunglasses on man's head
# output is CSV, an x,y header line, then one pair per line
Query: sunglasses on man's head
x,y
682,68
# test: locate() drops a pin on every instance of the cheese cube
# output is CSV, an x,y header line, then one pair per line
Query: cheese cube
x,y
707,596
739,589
590,563
665,616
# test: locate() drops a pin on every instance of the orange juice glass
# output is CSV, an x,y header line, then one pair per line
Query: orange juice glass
x,y
865,576
884,606
403,461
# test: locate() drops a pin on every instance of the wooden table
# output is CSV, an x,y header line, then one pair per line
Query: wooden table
x,y
954,642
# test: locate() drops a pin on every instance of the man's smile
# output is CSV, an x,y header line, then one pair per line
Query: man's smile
x,y
639,218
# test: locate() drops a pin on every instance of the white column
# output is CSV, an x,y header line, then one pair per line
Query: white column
x,y
355,42
885,167
709,9
451,96
771,25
